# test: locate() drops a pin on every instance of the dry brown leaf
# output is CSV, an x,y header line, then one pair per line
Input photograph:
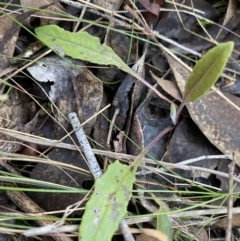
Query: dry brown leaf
x,y
14,115
144,237
88,90
153,233
169,86
7,39
109,5
57,7
231,10
222,223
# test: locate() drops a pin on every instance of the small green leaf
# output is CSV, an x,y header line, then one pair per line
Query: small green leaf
x,y
108,203
173,113
79,45
206,72
163,223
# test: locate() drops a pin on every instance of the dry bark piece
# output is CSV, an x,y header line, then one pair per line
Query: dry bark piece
x,y
62,72
75,88
121,101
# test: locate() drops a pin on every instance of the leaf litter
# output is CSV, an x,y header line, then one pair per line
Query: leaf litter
x,y
59,85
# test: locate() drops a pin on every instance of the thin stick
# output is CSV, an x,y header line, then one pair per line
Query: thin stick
x,y
121,156
189,161
93,164
230,198
92,161
111,127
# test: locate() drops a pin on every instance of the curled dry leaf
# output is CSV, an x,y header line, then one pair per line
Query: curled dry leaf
x,y
127,94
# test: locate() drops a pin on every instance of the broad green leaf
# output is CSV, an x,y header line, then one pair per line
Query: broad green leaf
x,y
206,72
85,47
79,45
108,203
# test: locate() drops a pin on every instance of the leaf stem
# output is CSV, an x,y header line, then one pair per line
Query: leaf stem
x,y
151,144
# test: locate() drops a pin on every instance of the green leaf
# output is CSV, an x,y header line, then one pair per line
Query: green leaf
x,y
79,45
85,47
108,203
206,72
163,223
173,113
